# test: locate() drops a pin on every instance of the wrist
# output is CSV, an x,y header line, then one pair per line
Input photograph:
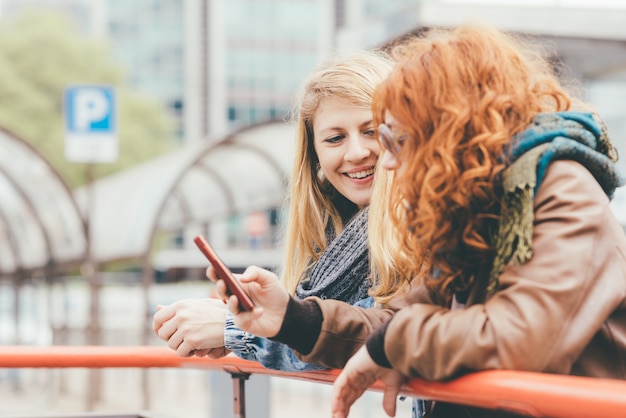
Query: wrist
x,y
375,345
301,325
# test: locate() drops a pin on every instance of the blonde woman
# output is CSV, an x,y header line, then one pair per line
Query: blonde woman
x,y
326,246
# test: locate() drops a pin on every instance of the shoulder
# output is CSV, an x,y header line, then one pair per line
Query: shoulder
x,y
572,214
569,181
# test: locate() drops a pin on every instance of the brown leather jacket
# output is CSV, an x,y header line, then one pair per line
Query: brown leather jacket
x,y
564,311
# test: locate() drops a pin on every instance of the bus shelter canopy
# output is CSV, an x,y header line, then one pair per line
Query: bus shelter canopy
x,y
41,221
246,170
40,224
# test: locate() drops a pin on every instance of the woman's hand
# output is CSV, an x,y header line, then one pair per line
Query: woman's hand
x,y
192,327
357,376
268,295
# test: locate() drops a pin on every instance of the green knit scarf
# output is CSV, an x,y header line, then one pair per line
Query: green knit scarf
x,y
581,137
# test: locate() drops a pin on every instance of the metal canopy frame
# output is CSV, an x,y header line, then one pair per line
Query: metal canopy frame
x,y
245,170
41,222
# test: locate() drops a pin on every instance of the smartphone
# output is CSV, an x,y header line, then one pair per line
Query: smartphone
x,y
224,273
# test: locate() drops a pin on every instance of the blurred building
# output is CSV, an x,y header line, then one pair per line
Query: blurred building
x,y
224,65
148,39
219,65
587,36
82,13
246,58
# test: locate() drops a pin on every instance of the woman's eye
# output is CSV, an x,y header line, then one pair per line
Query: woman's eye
x,y
334,139
370,132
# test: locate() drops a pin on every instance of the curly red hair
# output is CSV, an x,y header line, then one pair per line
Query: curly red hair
x,y
460,95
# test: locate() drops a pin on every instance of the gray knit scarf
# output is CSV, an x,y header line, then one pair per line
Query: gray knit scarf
x,y
342,272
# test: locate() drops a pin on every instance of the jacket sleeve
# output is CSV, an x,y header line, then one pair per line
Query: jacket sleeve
x,y
546,311
271,354
344,327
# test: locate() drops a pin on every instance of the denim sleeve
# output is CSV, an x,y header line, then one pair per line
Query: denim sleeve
x,y
271,354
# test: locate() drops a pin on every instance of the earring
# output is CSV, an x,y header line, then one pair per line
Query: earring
x,y
320,173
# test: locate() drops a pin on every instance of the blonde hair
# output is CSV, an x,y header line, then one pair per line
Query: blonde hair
x,y
315,207
387,256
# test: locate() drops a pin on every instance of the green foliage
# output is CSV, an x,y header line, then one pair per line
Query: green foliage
x,y
41,53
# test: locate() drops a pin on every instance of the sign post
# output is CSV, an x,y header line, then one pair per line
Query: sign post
x,y
91,137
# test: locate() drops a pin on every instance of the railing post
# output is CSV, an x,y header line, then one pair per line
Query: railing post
x,y
239,394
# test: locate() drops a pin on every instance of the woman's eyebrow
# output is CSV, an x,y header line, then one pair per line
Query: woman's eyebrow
x,y
367,123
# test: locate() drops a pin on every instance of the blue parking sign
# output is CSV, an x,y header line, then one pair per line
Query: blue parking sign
x,y
90,124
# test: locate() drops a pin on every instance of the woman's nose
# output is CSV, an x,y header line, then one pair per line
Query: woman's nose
x,y
358,149
389,161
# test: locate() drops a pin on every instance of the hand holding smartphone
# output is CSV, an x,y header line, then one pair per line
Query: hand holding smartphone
x,y
224,273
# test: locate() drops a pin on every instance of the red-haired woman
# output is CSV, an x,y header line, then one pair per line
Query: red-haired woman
x,y
501,198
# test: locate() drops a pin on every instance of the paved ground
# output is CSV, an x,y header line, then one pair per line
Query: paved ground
x,y
178,394
173,393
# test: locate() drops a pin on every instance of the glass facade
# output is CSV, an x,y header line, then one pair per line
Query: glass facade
x,y
271,45
376,8
78,10
148,38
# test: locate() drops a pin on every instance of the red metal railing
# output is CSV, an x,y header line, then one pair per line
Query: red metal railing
x,y
534,394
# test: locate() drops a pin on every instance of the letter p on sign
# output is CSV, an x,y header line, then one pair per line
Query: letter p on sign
x,y
92,107
90,124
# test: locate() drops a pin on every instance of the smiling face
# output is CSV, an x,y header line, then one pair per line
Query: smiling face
x,y
346,147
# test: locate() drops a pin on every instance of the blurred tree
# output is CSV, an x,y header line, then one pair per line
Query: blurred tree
x,y
43,52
